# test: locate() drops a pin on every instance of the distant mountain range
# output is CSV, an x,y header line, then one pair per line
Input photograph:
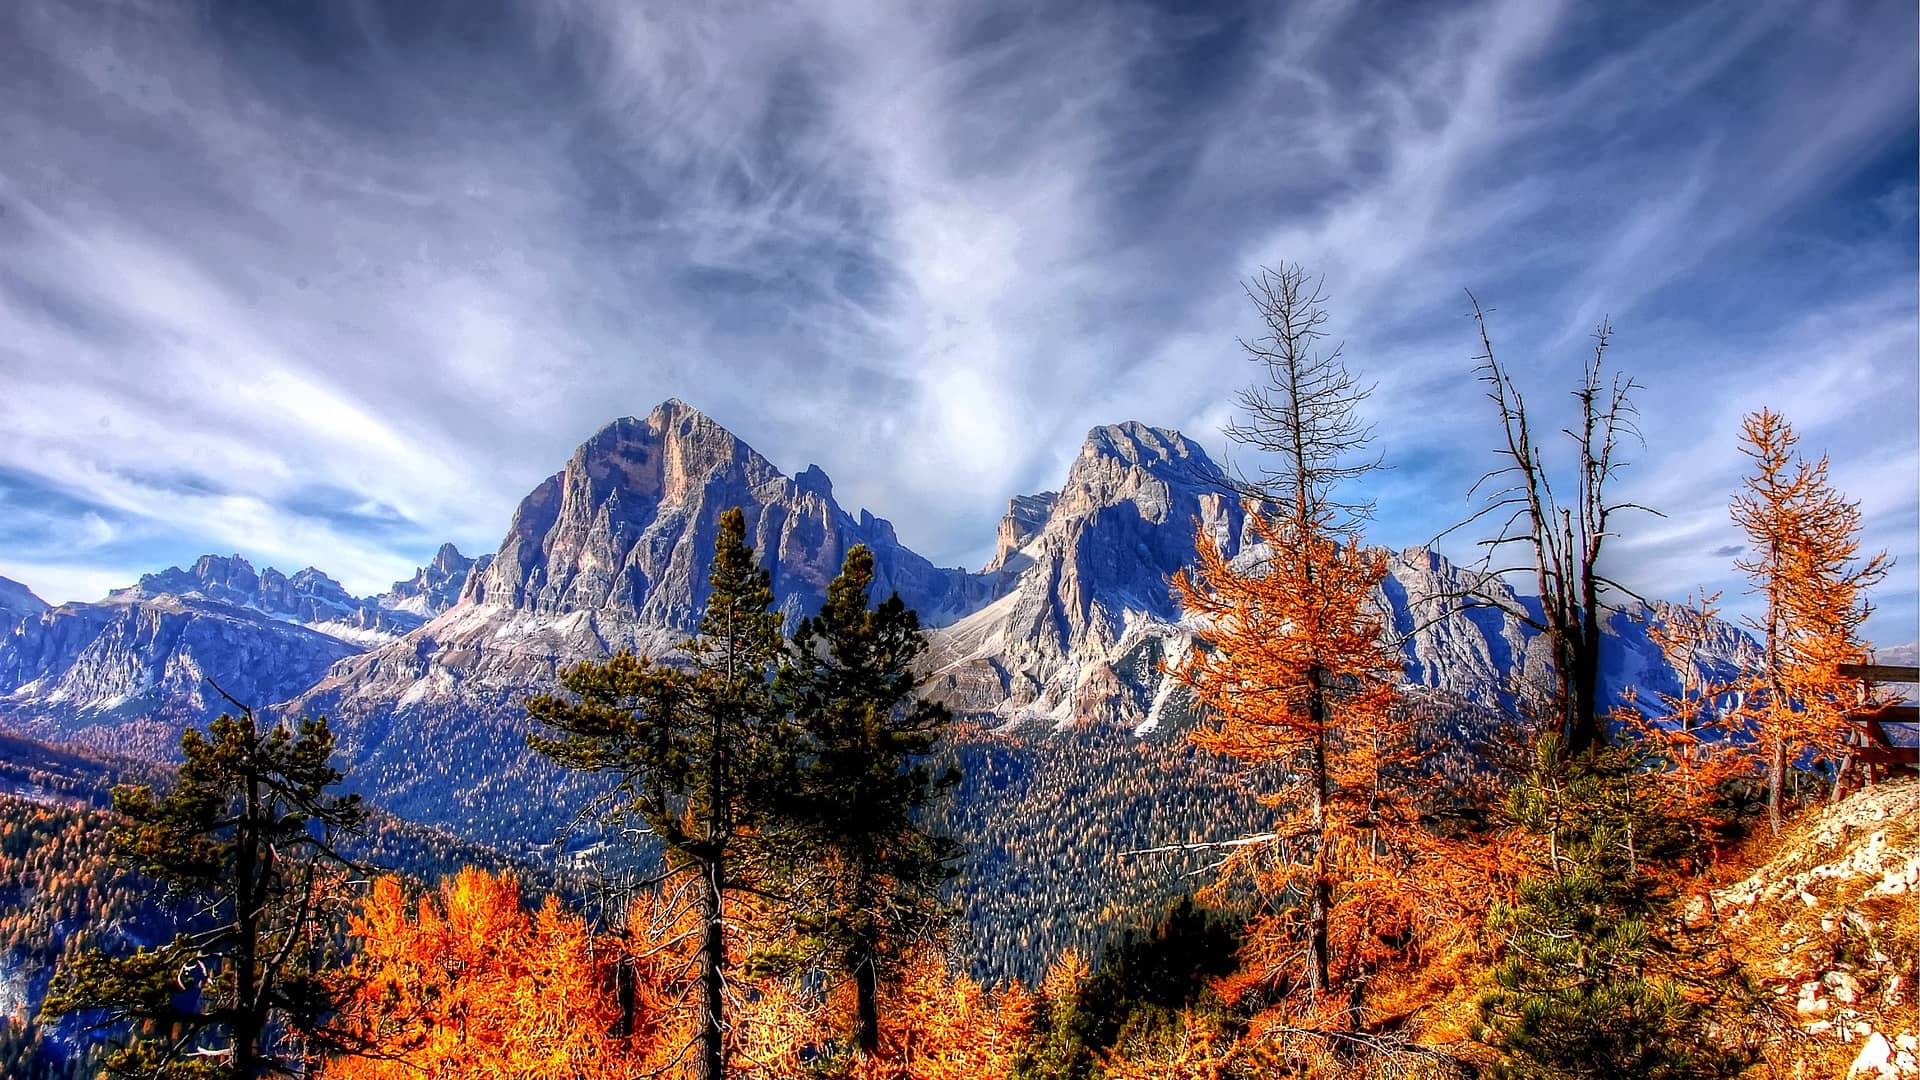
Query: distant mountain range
x,y
1066,627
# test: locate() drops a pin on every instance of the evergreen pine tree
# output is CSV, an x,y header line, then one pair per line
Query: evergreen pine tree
x,y
1148,985
1574,996
868,872
697,750
246,840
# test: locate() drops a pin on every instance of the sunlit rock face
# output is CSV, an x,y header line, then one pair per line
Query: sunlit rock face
x,y
1080,632
1086,625
436,586
612,553
628,526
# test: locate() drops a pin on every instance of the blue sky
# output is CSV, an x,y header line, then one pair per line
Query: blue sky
x,y
333,283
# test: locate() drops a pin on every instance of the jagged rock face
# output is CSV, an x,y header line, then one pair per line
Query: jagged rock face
x,y
128,674
628,527
1080,633
17,604
130,671
612,553
1084,634
308,597
436,586
1026,516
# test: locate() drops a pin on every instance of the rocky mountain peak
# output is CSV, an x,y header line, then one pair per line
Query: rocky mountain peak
x,y
1088,588
436,586
814,480
18,604
1141,444
1138,464
1026,516
217,573
311,581
308,596
627,527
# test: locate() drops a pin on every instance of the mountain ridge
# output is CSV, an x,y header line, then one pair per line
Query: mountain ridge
x,y
1070,624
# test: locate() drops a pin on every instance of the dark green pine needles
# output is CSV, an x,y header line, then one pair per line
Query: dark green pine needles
x,y
245,843
866,874
1576,994
697,749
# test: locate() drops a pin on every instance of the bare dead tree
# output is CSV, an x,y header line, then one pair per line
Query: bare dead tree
x,y
1565,539
1302,416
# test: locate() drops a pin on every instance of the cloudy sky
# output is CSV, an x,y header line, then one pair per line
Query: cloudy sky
x,y
332,283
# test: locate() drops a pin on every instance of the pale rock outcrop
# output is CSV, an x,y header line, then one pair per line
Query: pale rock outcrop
x,y
1085,630
612,553
436,586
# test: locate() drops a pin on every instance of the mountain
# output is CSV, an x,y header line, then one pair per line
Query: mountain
x,y
609,553
1067,626
1089,615
626,526
307,597
128,672
1087,620
17,604
436,586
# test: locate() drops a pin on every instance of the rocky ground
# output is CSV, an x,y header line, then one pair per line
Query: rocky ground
x,y
1828,926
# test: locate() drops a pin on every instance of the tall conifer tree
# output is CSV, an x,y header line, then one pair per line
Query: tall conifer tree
x,y
244,840
869,871
698,750
1294,674
1803,557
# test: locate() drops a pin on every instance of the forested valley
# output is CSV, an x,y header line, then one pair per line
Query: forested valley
x,y
1381,881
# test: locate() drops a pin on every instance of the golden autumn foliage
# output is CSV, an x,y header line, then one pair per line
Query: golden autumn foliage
x,y
1697,732
465,984
1296,680
1804,561
1198,1046
939,1025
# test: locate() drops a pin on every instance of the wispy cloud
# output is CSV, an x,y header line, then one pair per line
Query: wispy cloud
x,y
334,286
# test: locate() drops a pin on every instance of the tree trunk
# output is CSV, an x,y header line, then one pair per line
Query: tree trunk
x,y
248,883
866,985
1776,695
709,1035
1319,896
626,993
1590,729
1776,781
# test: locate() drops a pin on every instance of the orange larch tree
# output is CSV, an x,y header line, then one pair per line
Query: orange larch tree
x,y
1295,679
942,1025
466,984
1198,1046
1697,732
1803,558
